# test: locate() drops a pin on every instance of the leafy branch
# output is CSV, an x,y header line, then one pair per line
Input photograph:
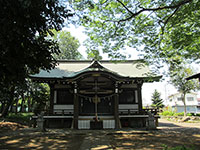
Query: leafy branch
x,y
152,9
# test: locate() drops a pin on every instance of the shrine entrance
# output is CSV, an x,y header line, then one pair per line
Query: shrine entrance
x,y
96,96
94,104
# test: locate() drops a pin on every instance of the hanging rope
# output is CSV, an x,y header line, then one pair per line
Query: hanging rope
x,y
89,97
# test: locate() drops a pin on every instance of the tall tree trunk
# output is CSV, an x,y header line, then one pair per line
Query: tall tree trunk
x,y
11,106
9,103
29,102
22,103
16,109
185,110
2,107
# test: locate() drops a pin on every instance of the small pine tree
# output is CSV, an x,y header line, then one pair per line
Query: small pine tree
x,y
156,100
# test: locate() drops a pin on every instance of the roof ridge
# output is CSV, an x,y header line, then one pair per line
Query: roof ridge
x,y
121,61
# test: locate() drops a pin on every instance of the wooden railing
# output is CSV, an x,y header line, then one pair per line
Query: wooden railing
x,y
63,112
136,112
153,111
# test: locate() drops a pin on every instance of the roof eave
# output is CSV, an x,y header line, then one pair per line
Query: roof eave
x,y
193,76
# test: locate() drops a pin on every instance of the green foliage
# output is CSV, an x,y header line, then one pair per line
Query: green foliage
x,y
179,114
24,48
40,96
167,113
190,114
168,29
94,54
156,100
171,113
68,45
178,77
197,114
23,118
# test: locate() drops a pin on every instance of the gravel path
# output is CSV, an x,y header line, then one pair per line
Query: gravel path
x,y
168,124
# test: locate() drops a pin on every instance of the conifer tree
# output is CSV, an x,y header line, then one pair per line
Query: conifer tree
x,y
156,100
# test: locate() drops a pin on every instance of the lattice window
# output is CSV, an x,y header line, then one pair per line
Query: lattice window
x,y
127,97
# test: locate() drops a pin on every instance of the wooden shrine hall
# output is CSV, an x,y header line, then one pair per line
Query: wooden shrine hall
x,y
96,94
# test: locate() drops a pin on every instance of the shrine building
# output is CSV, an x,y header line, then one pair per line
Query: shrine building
x,y
96,94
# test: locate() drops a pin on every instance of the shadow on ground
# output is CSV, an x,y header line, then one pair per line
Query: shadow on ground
x,y
168,133
32,139
164,124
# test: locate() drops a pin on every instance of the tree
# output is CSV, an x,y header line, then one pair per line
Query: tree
x,y
156,100
167,29
178,79
40,97
93,54
23,43
68,45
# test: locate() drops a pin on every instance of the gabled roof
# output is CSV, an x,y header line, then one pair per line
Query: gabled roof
x,y
71,69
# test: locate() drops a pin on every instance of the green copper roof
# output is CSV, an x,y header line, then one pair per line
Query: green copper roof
x,y
70,69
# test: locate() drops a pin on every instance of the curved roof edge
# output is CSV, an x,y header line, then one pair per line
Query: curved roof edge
x,y
130,70
90,61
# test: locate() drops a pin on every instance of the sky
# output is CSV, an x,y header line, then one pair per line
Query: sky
x,y
163,87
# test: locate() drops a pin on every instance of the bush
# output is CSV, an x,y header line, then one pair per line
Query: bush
x,y
197,114
190,114
22,118
179,114
167,113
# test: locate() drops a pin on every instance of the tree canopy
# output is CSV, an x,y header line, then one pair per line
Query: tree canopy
x,y
94,54
166,30
24,26
24,47
178,79
68,45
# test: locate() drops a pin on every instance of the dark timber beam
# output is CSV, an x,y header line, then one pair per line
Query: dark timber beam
x,y
140,97
51,98
76,110
116,108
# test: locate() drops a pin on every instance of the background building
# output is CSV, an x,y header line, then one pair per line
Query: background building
x,y
175,101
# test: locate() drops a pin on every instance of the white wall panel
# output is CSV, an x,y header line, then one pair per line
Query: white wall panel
x,y
83,124
108,124
128,106
66,109
62,107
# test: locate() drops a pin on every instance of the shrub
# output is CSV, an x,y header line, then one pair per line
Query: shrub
x,y
197,114
190,114
167,113
23,118
179,114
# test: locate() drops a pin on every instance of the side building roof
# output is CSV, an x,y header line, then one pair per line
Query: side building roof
x,y
194,76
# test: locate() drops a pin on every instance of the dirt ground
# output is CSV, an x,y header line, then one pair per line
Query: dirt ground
x,y
168,133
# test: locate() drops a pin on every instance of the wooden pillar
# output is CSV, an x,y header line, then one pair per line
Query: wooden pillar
x,y
116,108
76,110
51,98
140,97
